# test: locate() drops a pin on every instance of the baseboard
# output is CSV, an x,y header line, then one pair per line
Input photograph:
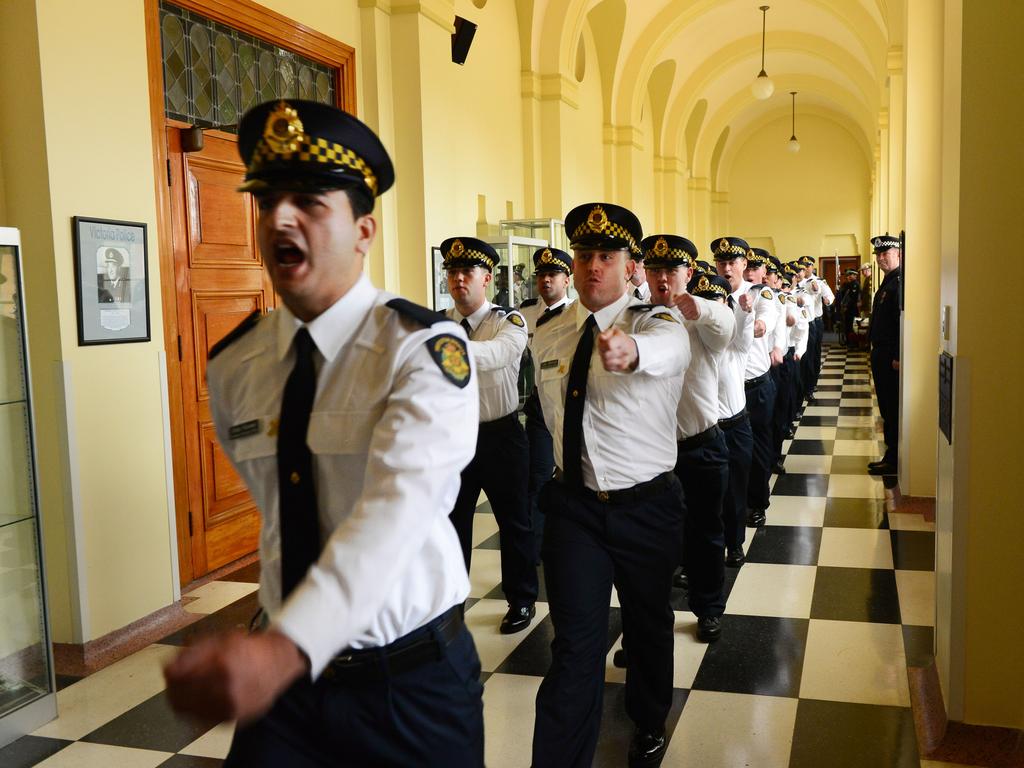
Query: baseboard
x,y
895,501
945,741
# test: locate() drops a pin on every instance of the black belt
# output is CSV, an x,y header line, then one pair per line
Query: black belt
x,y
703,438
639,492
732,421
504,421
419,647
751,383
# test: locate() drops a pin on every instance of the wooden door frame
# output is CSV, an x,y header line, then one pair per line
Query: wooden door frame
x,y
281,31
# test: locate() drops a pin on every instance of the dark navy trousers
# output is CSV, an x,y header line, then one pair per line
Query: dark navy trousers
x,y
542,466
761,406
740,441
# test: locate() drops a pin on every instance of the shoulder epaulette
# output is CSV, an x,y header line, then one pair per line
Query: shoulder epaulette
x,y
422,315
235,334
528,302
642,307
549,315
499,308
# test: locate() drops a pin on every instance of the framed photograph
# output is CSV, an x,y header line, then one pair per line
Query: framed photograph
x,y
442,299
112,281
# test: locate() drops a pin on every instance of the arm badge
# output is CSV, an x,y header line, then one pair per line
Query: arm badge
x,y
449,352
665,316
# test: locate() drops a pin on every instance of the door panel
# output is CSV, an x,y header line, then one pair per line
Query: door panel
x,y
220,280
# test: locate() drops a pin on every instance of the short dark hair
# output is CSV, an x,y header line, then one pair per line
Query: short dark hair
x,y
360,200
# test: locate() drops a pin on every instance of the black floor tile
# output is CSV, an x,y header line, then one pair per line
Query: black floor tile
x,y
854,380
533,655
484,676
190,761
858,433
63,681
855,410
811,447
842,735
150,725
484,509
237,615
819,421
829,388
850,465
761,655
918,643
794,484
617,728
785,545
913,550
855,594
470,602
29,750
854,513
492,542
679,600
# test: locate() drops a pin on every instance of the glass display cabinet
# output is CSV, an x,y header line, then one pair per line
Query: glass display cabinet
x,y
27,698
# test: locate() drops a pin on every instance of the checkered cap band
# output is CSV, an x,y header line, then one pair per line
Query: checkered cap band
x,y
609,230
652,259
467,257
306,149
724,246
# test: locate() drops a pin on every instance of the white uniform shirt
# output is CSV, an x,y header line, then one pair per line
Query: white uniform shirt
x,y
782,327
766,309
821,294
710,335
496,346
624,416
389,433
800,331
535,310
732,396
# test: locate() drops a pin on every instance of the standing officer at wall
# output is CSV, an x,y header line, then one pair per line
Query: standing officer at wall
x,y
349,414
501,466
885,350
613,514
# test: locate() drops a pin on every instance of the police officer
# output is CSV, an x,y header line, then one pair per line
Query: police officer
x,y
552,269
638,280
885,349
730,255
702,463
349,414
497,339
780,373
849,300
613,513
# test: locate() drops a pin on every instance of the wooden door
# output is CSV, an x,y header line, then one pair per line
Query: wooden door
x,y
827,270
220,280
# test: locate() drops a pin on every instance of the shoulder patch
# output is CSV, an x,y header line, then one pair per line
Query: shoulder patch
x,y
449,352
235,334
766,293
422,315
550,315
782,297
528,302
516,319
642,307
664,316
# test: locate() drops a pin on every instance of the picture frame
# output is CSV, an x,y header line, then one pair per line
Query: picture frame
x,y
111,281
442,299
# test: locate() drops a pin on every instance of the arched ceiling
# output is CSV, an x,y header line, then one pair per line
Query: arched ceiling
x,y
695,60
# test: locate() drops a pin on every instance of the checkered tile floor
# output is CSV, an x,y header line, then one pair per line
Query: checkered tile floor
x,y
835,598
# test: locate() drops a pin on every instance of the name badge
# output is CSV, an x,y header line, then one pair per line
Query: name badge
x,y
548,364
245,429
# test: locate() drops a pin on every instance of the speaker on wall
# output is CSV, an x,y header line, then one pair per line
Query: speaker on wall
x,y
462,38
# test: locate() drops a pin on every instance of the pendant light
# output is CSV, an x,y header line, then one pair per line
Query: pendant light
x,y
762,87
793,145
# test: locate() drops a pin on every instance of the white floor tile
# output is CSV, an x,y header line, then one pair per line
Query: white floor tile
x,y
216,595
904,521
855,661
855,421
856,448
808,511
855,548
764,589
484,526
214,743
807,465
856,487
830,396
821,410
484,571
917,597
509,710
816,433
82,754
856,402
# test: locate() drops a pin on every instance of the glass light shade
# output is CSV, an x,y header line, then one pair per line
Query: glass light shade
x,y
762,87
793,145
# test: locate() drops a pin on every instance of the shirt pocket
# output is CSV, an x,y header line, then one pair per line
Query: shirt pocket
x,y
258,445
341,432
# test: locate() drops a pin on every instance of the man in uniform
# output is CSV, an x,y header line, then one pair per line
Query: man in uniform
x,y
501,466
885,349
613,513
349,414
552,269
781,374
849,300
702,462
638,280
730,255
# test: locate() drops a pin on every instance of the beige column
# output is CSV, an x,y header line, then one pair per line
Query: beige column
x,y
720,212
699,190
979,524
884,167
668,181
920,323
897,127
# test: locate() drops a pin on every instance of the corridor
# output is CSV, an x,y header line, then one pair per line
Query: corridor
x,y
835,599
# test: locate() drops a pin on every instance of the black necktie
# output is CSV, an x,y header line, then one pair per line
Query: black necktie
x,y
465,324
300,530
575,396
636,292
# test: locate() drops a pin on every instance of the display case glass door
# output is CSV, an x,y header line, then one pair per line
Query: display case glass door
x,y
26,674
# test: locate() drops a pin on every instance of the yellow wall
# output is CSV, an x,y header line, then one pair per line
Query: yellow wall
x,y
825,189
585,182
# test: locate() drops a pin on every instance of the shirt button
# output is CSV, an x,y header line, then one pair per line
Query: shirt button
x,y
575,393
295,478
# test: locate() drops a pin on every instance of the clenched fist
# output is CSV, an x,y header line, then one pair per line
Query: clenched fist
x,y
746,303
617,350
688,306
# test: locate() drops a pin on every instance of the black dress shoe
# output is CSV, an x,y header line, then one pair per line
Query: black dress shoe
x,y
790,434
647,749
734,558
619,659
680,581
756,518
778,469
882,469
873,464
517,619
709,628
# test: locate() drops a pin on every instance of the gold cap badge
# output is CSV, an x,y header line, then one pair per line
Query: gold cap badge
x,y
661,247
723,244
597,220
283,131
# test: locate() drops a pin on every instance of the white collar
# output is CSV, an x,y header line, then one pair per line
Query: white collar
x,y
603,317
332,328
476,318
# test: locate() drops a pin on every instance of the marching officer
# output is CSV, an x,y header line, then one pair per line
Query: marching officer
x,y
730,254
885,349
349,414
613,513
497,339
702,463
552,269
780,373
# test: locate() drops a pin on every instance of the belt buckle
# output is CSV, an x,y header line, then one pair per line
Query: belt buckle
x,y
603,495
